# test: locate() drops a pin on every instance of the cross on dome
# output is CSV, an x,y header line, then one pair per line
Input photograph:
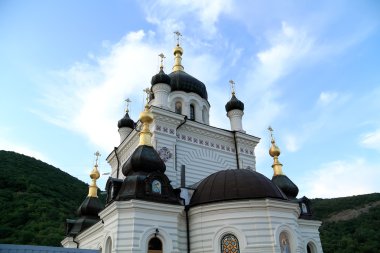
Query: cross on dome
x,y
162,56
148,92
127,101
97,154
178,35
271,132
232,83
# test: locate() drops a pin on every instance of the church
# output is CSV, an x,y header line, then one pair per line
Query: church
x,y
180,185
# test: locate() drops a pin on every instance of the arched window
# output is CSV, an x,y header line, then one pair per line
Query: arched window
x,y
311,248
230,244
178,107
192,112
108,248
155,245
284,243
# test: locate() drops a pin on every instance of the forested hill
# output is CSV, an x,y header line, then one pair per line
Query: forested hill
x,y
35,200
350,224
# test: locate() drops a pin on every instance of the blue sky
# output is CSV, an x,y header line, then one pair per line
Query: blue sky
x,y
310,69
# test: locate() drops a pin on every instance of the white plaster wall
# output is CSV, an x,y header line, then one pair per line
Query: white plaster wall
x,y
131,224
201,148
161,93
236,122
256,223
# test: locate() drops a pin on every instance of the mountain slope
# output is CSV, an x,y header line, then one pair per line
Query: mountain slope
x,y
35,200
350,224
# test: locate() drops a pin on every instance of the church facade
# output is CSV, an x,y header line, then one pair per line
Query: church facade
x,y
180,185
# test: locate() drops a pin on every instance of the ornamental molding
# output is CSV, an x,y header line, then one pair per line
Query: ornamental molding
x,y
165,154
161,87
235,113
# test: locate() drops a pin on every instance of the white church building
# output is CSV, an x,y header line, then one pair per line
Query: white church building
x,y
180,185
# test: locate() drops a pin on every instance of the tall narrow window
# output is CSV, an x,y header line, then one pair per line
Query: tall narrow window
x,y
155,245
230,244
178,107
108,247
192,112
311,248
284,243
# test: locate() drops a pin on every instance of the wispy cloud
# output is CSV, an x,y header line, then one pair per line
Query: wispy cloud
x,y
326,98
288,49
88,97
170,15
342,178
371,140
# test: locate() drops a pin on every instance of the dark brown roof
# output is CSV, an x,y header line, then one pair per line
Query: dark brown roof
x,y
235,185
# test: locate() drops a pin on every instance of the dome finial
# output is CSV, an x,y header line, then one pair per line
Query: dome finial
x,y
162,56
94,175
178,36
146,117
275,152
127,101
232,83
178,51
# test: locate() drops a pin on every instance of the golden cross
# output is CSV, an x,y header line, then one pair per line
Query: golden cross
x,y
232,83
162,60
271,132
178,35
97,154
147,91
127,102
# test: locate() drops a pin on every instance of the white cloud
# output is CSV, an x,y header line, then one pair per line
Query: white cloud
x,y
342,178
325,98
88,97
291,143
288,49
169,15
371,140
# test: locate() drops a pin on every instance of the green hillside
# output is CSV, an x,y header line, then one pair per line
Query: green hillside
x,y
35,200
350,224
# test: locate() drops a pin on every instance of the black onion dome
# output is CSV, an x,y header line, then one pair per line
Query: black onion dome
x,y
181,81
235,185
161,77
286,185
234,103
91,206
144,158
126,121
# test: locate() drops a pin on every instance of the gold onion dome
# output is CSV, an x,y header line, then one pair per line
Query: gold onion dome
x,y
94,175
274,150
145,158
91,206
282,181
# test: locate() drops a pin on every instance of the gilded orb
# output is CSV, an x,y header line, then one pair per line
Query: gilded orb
x,y
274,150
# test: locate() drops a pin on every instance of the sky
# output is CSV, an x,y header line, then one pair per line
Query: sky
x,y
310,69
